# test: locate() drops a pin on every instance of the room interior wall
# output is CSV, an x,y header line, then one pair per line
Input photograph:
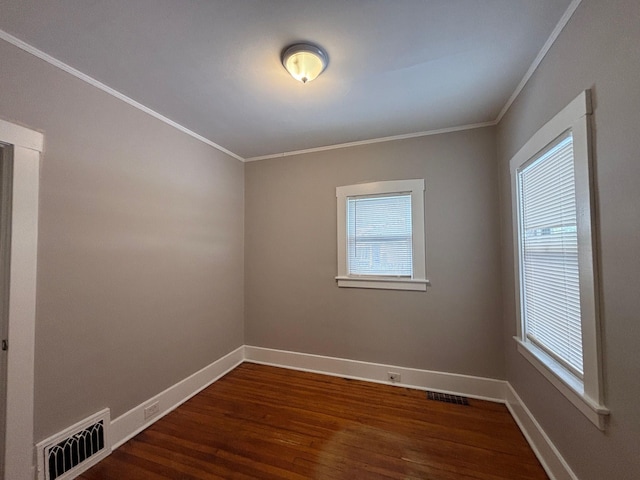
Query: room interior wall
x,y
142,261
598,50
140,256
292,300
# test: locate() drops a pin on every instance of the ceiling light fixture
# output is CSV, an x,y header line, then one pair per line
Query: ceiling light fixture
x,y
304,61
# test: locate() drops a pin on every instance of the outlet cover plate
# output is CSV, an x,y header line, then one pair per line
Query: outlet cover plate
x,y
151,410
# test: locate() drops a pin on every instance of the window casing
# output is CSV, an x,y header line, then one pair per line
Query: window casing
x,y
381,235
556,285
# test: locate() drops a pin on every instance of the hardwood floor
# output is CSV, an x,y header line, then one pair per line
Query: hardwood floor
x,y
262,422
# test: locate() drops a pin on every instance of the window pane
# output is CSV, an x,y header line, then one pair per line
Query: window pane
x,y
379,235
549,255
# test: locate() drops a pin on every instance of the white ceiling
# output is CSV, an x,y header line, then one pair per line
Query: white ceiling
x,y
396,67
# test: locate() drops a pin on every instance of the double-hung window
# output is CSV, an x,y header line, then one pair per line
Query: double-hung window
x,y
555,257
381,235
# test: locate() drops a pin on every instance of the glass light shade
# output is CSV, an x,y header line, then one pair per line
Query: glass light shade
x,y
304,62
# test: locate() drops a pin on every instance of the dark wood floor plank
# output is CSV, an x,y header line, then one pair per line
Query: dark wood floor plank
x,y
261,422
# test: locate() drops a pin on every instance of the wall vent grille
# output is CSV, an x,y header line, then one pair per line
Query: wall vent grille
x,y
448,398
76,449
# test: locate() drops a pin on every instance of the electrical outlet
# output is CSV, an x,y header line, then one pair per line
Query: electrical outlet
x,y
393,377
151,410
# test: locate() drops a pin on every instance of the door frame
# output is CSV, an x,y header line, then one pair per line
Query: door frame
x,y
27,147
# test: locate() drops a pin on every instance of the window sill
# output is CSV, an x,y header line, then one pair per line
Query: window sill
x,y
384,283
571,387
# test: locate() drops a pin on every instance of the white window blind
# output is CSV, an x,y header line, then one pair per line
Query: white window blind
x,y
549,254
379,235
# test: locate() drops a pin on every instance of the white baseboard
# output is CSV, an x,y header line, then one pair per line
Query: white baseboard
x,y
131,423
128,425
474,387
547,453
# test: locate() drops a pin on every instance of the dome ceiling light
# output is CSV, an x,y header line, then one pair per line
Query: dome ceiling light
x,y
304,61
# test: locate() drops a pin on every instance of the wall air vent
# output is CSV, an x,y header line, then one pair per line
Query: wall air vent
x,y
447,398
73,451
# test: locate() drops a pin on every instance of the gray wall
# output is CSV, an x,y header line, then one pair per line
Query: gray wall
x,y
142,262
599,49
140,258
292,300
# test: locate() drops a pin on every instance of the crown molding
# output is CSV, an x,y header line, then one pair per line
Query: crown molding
x,y
120,96
532,68
92,81
373,140
541,54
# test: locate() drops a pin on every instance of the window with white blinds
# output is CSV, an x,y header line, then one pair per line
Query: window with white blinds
x,y
549,254
556,292
381,235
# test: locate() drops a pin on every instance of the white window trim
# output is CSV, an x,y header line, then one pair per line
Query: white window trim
x,y
586,395
419,280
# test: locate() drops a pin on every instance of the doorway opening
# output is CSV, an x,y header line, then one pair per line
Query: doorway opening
x,y
20,169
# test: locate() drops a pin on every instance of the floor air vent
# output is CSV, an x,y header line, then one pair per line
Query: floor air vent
x,y
445,397
73,451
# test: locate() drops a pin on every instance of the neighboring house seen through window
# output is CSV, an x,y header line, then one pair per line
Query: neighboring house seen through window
x,y
381,235
558,328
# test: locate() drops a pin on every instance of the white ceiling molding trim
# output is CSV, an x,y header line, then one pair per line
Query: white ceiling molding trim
x,y
92,81
541,54
374,140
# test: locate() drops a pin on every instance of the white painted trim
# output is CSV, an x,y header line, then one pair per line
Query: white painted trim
x,y
86,78
566,118
416,188
595,412
525,79
19,453
374,140
128,425
131,423
547,453
541,54
120,96
384,283
467,385
18,135
588,397
470,386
